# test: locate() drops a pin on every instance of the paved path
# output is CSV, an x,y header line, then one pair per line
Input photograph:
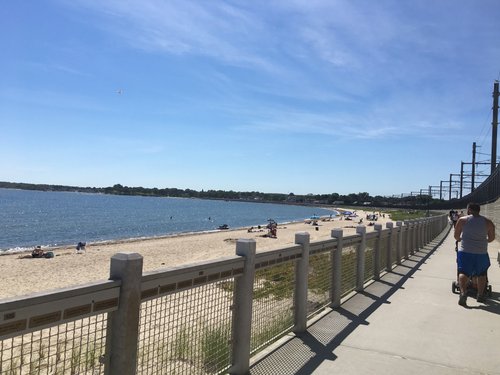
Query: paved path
x,y
409,322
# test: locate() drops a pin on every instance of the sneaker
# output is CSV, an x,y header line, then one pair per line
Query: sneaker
x,y
462,301
481,299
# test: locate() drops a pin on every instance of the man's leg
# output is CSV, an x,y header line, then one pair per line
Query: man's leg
x,y
481,284
463,281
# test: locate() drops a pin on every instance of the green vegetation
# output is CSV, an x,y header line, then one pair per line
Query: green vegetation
x,y
276,281
319,278
274,329
354,199
401,215
216,351
180,348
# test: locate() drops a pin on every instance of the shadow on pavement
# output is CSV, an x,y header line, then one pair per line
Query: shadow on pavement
x,y
304,353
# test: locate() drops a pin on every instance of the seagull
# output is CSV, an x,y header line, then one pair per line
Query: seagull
x,y
120,91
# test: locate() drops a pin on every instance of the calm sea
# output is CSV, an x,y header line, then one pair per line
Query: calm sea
x,y
30,218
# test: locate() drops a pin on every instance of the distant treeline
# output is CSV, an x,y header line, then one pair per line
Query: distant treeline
x,y
324,199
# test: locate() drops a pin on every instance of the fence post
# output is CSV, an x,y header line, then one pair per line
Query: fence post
x,y
414,237
301,286
407,239
422,233
426,231
388,258
376,260
399,247
242,308
360,258
336,287
123,324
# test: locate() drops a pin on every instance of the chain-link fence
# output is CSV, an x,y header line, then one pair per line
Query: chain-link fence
x,y
319,281
273,293
349,257
370,258
187,332
71,348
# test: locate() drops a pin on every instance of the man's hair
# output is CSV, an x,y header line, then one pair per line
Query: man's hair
x,y
474,208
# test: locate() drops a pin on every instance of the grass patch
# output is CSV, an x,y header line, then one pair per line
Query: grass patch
x,y
216,351
401,215
274,329
181,345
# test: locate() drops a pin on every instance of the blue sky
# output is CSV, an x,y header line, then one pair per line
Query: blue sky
x,y
302,96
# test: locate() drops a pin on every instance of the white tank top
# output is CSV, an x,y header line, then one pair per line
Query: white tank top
x,y
475,235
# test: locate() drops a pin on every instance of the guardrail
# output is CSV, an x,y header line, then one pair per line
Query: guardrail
x,y
205,318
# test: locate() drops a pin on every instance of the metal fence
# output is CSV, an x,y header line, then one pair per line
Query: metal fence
x,y
206,318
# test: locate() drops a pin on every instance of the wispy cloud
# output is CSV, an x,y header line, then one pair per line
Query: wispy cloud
x,y
51,99
55,66
216,29
375,124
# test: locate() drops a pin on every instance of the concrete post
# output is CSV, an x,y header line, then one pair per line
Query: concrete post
x,y
415,235
301,286
123,324
376,260
360,258
388,258
430,225
242,308
336,287
399,248
430,231
435,224
414,245
426,231
424,222
407,239
422,232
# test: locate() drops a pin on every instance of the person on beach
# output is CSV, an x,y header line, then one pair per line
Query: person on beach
x,y
37,252
80,247
474,232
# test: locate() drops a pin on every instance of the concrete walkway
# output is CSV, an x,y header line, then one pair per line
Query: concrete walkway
x,y
409,322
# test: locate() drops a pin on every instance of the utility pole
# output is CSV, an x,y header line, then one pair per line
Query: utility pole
x,y
461,179
451,175
494,124
441,189
474,164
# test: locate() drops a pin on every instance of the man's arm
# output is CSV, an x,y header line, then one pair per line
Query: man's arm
x,y
458,229
491,230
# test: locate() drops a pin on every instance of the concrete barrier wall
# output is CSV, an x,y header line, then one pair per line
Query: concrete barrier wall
x,y
492,212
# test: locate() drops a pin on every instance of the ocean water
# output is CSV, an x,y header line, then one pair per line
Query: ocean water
x,y
30,218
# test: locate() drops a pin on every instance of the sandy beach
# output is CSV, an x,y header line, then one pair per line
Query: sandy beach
x,y
23,275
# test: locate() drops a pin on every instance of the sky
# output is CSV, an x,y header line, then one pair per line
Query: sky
x,y
302,96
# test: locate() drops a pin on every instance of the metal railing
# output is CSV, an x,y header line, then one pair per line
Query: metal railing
x,y
206,318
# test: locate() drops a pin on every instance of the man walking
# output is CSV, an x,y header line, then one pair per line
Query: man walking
x,y
474,232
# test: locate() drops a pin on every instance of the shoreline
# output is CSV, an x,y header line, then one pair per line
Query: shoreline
x,y
22,274
18,250
24,250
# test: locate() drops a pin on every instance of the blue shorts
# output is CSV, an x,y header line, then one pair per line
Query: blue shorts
x,y
473,264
